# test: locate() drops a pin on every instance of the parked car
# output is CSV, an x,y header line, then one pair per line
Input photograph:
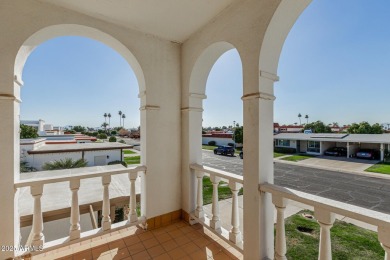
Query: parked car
x,y
336,151
242,154
367,154
225,150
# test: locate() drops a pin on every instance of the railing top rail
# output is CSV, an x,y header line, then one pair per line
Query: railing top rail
x,y
355,212
217,172
46,177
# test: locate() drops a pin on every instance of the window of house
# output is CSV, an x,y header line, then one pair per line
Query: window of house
x,y
285,143
313,146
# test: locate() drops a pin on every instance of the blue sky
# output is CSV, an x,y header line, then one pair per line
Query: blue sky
x,y
335,67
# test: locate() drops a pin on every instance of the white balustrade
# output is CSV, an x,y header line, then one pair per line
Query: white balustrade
x,y
324,211
215,222
280,239
199,213
384,238
37,237
74,232
326,220
132,218
106,220
235,234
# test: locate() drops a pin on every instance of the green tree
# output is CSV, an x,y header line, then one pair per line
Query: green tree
x,y
28,132
66,163
102,136
114,132
318,127
365,128
239,134
79,128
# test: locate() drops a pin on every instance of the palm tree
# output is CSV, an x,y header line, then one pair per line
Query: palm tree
x,y
123,117
105,126
105,117
299,116
109,120
307,118
120,116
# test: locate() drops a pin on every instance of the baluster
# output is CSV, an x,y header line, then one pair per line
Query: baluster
x,y
235,233
384,238
215,222
326,220
106,220
37,236
132,217
280,239
199,213
74,232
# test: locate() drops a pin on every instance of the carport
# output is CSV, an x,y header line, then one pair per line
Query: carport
x,y
317,144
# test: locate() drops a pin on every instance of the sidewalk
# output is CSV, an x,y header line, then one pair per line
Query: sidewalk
x,y
293,207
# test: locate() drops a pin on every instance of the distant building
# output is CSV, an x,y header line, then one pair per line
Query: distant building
x,y
42,128
291,129
219,137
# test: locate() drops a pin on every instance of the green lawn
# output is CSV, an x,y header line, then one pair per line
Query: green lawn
x,y
128,152
223,191
296,158
276,155
348,240
380,168
133,160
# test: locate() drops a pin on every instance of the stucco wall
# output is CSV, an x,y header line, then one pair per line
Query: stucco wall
x,y
38,160
218,141
155,61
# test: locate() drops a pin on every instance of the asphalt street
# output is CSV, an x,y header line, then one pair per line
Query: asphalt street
x,y
363,191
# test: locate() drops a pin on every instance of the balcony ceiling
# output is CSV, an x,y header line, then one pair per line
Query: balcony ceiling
x,y
174,20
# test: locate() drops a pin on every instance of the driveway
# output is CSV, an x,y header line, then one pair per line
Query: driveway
x,y
338,163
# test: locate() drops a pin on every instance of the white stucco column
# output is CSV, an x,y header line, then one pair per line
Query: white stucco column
x,y
9,166
191,148
348,150
258,168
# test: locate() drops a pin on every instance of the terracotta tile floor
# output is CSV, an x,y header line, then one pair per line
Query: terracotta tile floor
x,y
176,241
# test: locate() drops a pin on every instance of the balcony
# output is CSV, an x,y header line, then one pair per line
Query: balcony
x,y
202,236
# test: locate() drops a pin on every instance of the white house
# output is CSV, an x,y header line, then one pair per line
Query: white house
x,y
317,144
36,152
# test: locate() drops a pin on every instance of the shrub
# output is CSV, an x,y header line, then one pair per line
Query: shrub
x,y
117,162
94,134
66,163
122,142
112,139
114,132
102,136
287,150
212,143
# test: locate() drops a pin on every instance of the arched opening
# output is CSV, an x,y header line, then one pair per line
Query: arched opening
x,y
82,90
193,114
223,113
